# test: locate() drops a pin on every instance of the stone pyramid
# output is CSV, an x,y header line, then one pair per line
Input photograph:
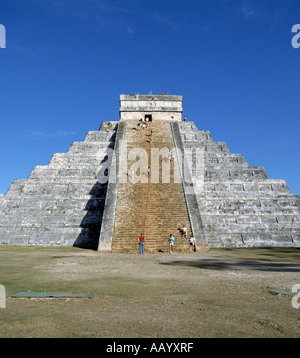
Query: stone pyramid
x,y
85,197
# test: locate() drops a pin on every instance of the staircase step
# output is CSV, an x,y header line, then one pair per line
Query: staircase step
x,y
154,209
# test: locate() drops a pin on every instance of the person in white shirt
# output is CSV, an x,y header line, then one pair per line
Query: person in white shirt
x,y
192,243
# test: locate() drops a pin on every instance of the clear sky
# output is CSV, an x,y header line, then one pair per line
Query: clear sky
x,y
67,61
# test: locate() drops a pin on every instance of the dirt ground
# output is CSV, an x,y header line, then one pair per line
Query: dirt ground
x,y
221,293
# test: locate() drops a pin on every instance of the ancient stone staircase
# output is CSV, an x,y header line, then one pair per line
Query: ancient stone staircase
x,y
149,204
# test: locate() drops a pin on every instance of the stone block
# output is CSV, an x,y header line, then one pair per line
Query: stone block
x,y
14,239
280,186
296,238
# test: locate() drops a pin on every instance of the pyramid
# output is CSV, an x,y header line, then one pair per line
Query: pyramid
x,y
98,195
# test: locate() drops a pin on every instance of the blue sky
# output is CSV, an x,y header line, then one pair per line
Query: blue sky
x,y
67,61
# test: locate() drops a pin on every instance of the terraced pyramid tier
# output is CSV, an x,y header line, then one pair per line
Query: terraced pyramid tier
x,y
60,203
240,206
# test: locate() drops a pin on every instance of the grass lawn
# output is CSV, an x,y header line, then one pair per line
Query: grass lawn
x,y
221,293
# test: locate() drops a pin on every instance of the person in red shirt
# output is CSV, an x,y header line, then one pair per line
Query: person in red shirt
x,y
142,243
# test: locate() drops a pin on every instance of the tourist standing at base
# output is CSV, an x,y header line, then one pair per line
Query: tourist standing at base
x,y
142,243
171,243
192,244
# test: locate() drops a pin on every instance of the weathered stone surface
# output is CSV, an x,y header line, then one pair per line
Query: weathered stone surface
x,y
239,204
60,203
160,107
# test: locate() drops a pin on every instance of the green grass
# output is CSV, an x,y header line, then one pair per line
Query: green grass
x,y
223,293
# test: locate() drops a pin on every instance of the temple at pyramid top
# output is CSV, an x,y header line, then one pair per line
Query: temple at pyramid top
x,y
152,107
